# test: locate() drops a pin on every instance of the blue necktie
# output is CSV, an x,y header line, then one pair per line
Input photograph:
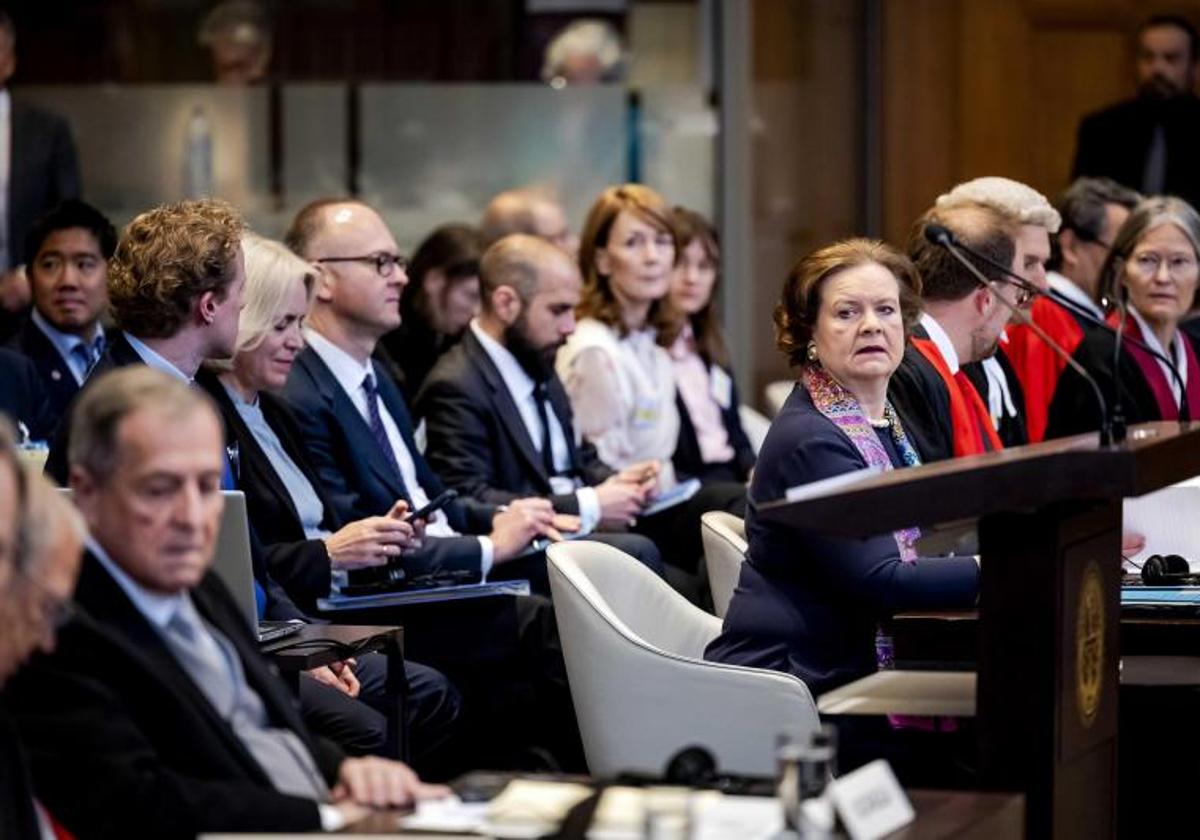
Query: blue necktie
x,y
376,422
88,354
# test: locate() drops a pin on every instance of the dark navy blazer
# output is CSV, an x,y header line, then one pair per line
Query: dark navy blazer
x,y
809,604
355,477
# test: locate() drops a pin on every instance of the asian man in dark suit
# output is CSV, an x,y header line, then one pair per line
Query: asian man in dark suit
x,y
68,271
156,715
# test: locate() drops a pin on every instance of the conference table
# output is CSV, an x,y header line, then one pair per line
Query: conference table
x,y
940,815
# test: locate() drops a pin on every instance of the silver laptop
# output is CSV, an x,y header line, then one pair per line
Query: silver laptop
x,y
234,565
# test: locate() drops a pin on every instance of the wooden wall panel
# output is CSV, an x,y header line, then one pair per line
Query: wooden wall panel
x,y
920,115
995,87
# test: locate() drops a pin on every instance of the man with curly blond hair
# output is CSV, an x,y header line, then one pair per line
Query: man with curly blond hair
x,y
175,291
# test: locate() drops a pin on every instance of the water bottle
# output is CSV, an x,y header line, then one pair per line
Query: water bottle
x,y
198,156
807,764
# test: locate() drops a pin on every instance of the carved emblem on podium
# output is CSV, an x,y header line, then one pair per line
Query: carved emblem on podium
x,y
1089,644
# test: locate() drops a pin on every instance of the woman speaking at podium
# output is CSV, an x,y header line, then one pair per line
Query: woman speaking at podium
x,y
1153,270
805,603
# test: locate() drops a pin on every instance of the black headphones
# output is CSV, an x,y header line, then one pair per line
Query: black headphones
x,y
1167,570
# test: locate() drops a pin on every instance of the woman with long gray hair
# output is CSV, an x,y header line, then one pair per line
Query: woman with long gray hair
x,y
1148,282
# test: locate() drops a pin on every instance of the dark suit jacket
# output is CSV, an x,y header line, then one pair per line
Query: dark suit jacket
x,y
687,457
123,743
1115,141
44,171
806,603
477,441
355,477
1073,409
57,380
1012,431
119,353
22,397
923,404
17,815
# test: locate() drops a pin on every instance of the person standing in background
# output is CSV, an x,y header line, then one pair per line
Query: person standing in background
x,y
1147,143
38,170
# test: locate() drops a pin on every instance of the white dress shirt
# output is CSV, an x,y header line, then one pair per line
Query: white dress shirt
x,y
156,360
520,387
941,340
350,373
1069,290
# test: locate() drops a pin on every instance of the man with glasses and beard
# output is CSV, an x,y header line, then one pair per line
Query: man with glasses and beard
x,y
499,385
1147,143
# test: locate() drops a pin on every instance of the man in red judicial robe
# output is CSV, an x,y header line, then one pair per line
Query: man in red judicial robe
x,y
1034,220
1092,210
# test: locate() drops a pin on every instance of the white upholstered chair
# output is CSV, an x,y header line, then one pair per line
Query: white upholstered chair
x,y
642,690
755,425
724,538
777,393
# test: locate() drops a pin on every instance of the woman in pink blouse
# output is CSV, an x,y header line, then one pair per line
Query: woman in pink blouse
x,y
712,444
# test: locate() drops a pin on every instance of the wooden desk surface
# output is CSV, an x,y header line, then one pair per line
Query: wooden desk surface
x,y
287,656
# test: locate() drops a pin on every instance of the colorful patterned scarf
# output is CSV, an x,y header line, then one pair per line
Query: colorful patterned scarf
x,y
843,410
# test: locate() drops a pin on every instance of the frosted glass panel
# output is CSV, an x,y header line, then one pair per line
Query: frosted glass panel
x,y
314,142
132,142
678,139
437,153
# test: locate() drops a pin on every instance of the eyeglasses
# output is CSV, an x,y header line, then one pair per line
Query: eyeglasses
x,y
1026,291
1148,263
384,263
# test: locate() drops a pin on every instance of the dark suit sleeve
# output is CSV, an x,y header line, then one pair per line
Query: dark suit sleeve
x,y
870,570
280,606
459,449
595,471
314,419
23,398
302,570
923,407
1087,144
101,777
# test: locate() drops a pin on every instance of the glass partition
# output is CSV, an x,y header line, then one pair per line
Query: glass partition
x,y
426,154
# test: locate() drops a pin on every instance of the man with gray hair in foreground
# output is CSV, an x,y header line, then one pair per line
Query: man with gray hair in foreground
x,y
156,716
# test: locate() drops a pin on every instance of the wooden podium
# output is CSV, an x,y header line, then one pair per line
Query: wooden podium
x,y
1049,537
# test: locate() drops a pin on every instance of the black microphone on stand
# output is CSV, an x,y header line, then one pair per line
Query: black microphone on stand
x,y
943,237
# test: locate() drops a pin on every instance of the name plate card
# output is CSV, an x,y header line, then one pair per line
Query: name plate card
x,y
870,802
